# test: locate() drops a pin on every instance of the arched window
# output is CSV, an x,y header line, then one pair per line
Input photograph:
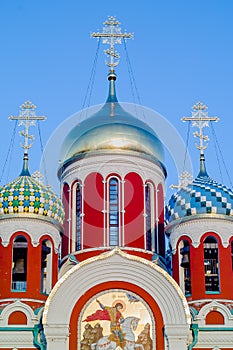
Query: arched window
x,y
149,216
185,273
113,220
19,264
46,266
211,264
78,216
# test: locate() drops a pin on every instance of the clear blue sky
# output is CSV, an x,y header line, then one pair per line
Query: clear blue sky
x,y
182,53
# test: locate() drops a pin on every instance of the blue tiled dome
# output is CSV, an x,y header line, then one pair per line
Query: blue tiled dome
x,y
25,196
202,196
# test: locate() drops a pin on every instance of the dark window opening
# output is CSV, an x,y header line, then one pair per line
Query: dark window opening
x,y
19,264
45,268
185,263
211,265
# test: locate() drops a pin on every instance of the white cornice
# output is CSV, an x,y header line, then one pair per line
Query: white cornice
x,y
106,163
194,229
33,227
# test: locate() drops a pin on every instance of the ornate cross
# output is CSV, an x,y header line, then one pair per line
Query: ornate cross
x,y
38,176
27,117
112,35
184,180
200,119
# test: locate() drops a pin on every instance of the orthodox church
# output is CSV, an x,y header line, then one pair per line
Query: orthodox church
x,y
109,265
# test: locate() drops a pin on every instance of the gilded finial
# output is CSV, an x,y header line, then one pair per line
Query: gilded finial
x,y
112,35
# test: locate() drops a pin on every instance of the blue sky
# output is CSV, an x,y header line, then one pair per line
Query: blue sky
x,y
182,53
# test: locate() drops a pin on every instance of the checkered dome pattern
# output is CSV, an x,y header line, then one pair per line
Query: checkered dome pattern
x,y
202,196
26,195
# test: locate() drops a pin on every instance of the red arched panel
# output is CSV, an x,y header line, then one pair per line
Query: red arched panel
x,y
214,317
93,221
17,317
160,206
134,205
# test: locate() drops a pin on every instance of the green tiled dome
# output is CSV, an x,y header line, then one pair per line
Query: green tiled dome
x,y
25,195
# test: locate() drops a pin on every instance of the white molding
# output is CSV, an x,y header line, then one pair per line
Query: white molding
x,y
108,163
210,340
22,300
33,227
176,336
16,339
195,228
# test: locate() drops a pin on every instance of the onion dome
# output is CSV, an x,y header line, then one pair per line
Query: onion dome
x,y
111,128
25,196
202,196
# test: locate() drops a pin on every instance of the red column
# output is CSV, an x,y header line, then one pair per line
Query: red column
x,y
133,218
197,272
93,219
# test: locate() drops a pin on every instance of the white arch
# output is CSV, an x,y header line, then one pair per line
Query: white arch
x,y
214,306
116,266
18,306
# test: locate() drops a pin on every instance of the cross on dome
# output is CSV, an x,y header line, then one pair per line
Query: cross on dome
x,y
38,176
200,119
112,35
27,117
184,180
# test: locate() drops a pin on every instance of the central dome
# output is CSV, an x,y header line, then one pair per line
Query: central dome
x,y
112,127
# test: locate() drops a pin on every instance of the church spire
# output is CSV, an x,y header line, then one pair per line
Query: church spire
x,y
26,118
200,119
112,35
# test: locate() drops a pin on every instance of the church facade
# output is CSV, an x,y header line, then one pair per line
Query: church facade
x,y
109,265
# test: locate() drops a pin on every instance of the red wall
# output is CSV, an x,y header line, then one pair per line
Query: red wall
x,y
214,317
17,317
